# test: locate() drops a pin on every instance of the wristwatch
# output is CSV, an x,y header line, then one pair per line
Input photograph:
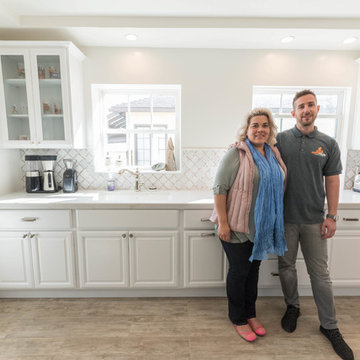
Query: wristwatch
x,y
333,217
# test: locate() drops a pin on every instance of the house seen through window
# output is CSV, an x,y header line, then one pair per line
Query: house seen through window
x,y
138,126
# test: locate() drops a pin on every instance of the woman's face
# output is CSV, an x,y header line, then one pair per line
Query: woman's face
x,y
259,130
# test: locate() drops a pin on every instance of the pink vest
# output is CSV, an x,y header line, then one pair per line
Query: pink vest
x,y
238,200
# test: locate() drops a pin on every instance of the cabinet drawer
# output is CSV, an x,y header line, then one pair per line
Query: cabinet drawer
x,y
349,219
35,219
107,219
198,219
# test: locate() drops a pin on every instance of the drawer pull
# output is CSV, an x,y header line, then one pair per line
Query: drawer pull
x,y
29,219
123,236
32,235
131,236
207,234
350,219
274,274
205,219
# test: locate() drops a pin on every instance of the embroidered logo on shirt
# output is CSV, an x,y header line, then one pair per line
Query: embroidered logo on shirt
x,y
319,152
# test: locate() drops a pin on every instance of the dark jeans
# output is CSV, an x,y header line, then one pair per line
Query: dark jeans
x,y
241,281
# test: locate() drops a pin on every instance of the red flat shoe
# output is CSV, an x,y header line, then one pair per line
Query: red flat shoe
x,y
259,329
248,336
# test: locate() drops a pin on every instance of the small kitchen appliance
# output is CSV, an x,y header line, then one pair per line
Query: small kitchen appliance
x,y
70,183
32,173
48,163
357,181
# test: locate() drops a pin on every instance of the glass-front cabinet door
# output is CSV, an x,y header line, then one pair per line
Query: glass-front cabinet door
x,y
49,97
34,98
17,109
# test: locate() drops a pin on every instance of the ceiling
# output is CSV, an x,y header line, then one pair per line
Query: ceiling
x,y
230,24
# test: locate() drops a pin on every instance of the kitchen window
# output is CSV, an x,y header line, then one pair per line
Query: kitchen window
x,y
136,126
331,119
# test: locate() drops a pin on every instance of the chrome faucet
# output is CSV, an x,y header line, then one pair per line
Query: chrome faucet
x,y
138,184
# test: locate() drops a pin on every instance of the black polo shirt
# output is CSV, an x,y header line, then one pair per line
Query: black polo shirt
x,y
308,159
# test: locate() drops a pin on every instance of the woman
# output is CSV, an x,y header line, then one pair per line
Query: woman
x,y
248,196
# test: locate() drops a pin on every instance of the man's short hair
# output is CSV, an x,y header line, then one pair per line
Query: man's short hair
x,y
303,93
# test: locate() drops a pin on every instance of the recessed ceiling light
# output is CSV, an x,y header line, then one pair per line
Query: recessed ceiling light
x,y
131,37
350,40
287,39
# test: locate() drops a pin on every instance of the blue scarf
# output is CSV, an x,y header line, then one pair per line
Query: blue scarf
x,y
269,222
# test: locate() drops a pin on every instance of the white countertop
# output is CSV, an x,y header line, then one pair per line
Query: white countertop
x,y
109,199
121,199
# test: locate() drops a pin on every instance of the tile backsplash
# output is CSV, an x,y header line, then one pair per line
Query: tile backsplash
x,y
198,170
352,162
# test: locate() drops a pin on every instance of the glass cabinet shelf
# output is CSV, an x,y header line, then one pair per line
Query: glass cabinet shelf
x,y
18,115
15,82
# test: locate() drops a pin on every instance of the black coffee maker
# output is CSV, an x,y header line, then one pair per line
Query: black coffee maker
x,y
32,174
70,183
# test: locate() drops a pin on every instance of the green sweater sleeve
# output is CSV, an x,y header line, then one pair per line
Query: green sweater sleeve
x,y
226,172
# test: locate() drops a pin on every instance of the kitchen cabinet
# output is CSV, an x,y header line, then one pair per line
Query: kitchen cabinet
x,y
41,95
36,258
103,259
132,254
345,250
204,259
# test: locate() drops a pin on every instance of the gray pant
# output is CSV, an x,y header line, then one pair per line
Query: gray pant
x,y
315,254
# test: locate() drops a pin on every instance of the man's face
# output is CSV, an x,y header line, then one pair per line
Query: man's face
x,y
306,110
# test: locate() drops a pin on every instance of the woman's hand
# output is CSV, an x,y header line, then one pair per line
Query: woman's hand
x,y
224,232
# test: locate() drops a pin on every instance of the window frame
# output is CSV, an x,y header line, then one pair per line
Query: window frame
x,y
98,91
343,106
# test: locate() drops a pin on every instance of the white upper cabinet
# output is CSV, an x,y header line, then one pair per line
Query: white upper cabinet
x,y
41,97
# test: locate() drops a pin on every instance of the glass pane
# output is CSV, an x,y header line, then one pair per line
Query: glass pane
x,y
15,97
164,111
327,126
140,110
286,103
116,111
51,97
287,123
270,101
328,104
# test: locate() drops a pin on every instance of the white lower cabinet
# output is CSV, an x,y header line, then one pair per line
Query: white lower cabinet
x,y
53,259
36,260
344,258
103,259
15,261
204,260
154,259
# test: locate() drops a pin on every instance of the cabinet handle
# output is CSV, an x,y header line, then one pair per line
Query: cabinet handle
x,y
274,274
26,235
204,219
350,219
207,234
29,219
131,236
32,235
123,236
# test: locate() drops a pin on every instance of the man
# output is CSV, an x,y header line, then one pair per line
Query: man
x,y
310,156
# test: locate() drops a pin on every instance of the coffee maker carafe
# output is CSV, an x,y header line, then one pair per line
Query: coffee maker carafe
x,y
48,162
32,174
70,183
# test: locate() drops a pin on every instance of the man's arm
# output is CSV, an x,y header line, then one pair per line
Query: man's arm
x,y
332,185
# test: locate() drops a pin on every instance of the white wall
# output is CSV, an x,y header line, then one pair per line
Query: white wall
x,y
10,177
217,83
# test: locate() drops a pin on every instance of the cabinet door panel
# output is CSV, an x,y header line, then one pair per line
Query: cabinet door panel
x,y
344,258
53,260
204,260
16,95
154,259
103,259
15,261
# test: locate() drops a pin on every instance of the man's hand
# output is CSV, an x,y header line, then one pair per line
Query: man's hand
x,y
224,232
328,228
